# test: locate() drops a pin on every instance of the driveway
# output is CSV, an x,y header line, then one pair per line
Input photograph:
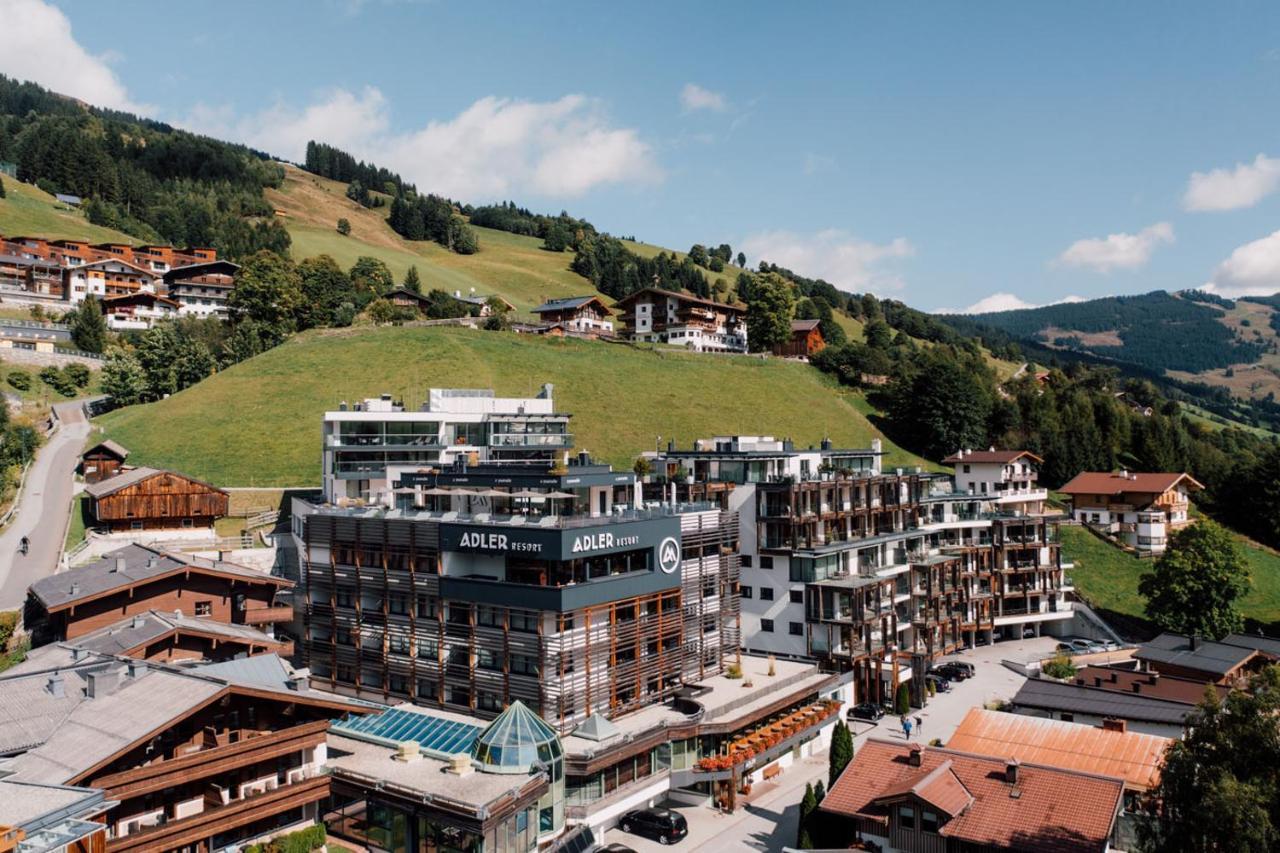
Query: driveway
x,y
770,819
44,508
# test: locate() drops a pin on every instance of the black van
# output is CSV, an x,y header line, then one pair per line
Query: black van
x,y
666,826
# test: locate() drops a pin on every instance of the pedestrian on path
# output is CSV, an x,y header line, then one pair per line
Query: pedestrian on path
x,y
919,725
906,728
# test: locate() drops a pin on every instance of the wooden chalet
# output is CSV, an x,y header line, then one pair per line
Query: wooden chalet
x,y
806,340
581,314
202,289
102,461
136,580
153,499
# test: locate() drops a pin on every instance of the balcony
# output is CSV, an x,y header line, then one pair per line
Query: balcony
x,y
267,614
521,439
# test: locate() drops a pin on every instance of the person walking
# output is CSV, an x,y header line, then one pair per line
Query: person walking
x,y
919,725
906,728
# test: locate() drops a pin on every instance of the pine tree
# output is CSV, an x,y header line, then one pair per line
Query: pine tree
x,y
841,752
89,327
808,805
1,187
411,280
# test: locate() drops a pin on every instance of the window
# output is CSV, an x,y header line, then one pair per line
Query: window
x,y
398,602
428,647
928,821
766,593
524,665
797,596
796,629
967,470
398,684
399,644
906,817
524,621
204,608
344,597
766,625
746,592
745,561
766,562
488,659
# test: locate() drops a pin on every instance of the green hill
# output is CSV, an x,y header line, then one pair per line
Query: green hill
x,y
258,423
29,211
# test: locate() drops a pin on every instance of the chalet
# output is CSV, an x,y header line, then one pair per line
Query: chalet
x,y
806,340
153,499
403,297
31,275
1199,659
138,311
906,797
136,580
105,459
586,315
209,757
108,277
1008,476
70,253
1139,509
202,289
681,319
482,306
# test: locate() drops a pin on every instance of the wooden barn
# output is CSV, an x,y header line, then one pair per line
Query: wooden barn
x,y
806,340
102,461
152,499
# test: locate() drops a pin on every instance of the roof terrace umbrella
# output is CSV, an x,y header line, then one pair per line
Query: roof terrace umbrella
x,y
560,495
527,493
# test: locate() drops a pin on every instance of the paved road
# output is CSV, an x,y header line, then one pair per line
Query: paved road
x,y
770,820
43,510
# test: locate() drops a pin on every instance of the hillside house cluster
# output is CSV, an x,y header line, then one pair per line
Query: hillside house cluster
x,y
136,285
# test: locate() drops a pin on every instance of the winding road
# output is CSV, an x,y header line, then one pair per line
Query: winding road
x,y
43,509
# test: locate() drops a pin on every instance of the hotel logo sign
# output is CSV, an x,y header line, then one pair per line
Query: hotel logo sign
x,y
669,555
497,542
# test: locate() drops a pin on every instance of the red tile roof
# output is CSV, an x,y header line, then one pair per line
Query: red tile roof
x,y
940,788
1048,810
996,456
1132,756
1120,482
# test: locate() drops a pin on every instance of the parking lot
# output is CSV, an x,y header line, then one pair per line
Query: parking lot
x,y
769,820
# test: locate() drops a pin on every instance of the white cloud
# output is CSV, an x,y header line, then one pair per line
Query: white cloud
x,y
1252,270
495,148
39,46
1117,251
847,262
1004,302
1231,189
694,97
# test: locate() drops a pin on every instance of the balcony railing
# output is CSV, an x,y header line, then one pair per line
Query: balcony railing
x,y
267,614
523,439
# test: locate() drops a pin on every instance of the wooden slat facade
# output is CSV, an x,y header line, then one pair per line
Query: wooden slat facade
x,y
164,500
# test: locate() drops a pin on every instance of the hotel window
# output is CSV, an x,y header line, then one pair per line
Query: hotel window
x,y
399,684
370,678
204,608
928,821
428,647
766,562
796,629
489,702
766,593
426,607
524,665
398,603
906,817
344,597
766,625
426,689
489,616
524,621
398,643
745,561
488,659
343,636
797,596
746,592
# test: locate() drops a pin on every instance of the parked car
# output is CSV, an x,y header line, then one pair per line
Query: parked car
x,y
1028,633
959,664
865,711
666,826
615,847
1082,647
1066,649
952,672
939,684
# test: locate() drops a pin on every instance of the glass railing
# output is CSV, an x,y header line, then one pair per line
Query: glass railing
x,y
516,439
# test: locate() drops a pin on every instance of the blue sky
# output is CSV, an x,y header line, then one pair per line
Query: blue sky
x,y
941,153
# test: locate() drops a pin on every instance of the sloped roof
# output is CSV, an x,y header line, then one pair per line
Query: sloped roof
x,y
132,477
569,304
515,741
134,631
1267,645
597,728
805,325
1132,756
998,457
1120,482
118,450
1201,655
188,270
1045,694
684,297
1048,809
1188,691
140,563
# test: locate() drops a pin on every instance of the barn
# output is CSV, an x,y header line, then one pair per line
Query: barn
x,y
103,461
154,499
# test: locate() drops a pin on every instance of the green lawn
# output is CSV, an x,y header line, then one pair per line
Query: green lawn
x,y
258,423
1108,577
76,529
31,212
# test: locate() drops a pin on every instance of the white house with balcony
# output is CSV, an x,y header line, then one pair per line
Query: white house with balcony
x,y
1007,477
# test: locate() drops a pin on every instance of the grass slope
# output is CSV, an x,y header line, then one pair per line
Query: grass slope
x,y
31,212
1107,577
258,423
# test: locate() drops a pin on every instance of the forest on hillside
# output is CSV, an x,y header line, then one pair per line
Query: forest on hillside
x,y
143,177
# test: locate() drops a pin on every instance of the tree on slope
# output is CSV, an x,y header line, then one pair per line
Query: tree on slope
x,y
1194,586
411,280
268,291
123,379
89,326
769,312
1220,785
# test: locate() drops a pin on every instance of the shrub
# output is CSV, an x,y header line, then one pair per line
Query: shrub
x,y
302,841
902,701
1060,667
20,379
77,374
930,688
8,622
344,227
733,670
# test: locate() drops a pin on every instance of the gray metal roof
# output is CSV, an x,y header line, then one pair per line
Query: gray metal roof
x,y
127,566
1266,645
1055,696
563,304
1194,653
258,671
134,631
23,803
118,449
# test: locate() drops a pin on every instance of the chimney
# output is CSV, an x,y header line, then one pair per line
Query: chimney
x,y
56,687
138,620
342,407
119,565
460,765
917,751
1195,642
1136,686
1111,724
671,446
75,589
1011,771
137,668
299,680
78,654
407,752
101,682
1154,677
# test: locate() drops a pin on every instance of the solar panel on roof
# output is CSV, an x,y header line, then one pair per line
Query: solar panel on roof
x,y
396,725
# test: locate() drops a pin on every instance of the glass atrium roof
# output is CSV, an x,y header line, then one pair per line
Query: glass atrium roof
x,y
394,726
516,741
